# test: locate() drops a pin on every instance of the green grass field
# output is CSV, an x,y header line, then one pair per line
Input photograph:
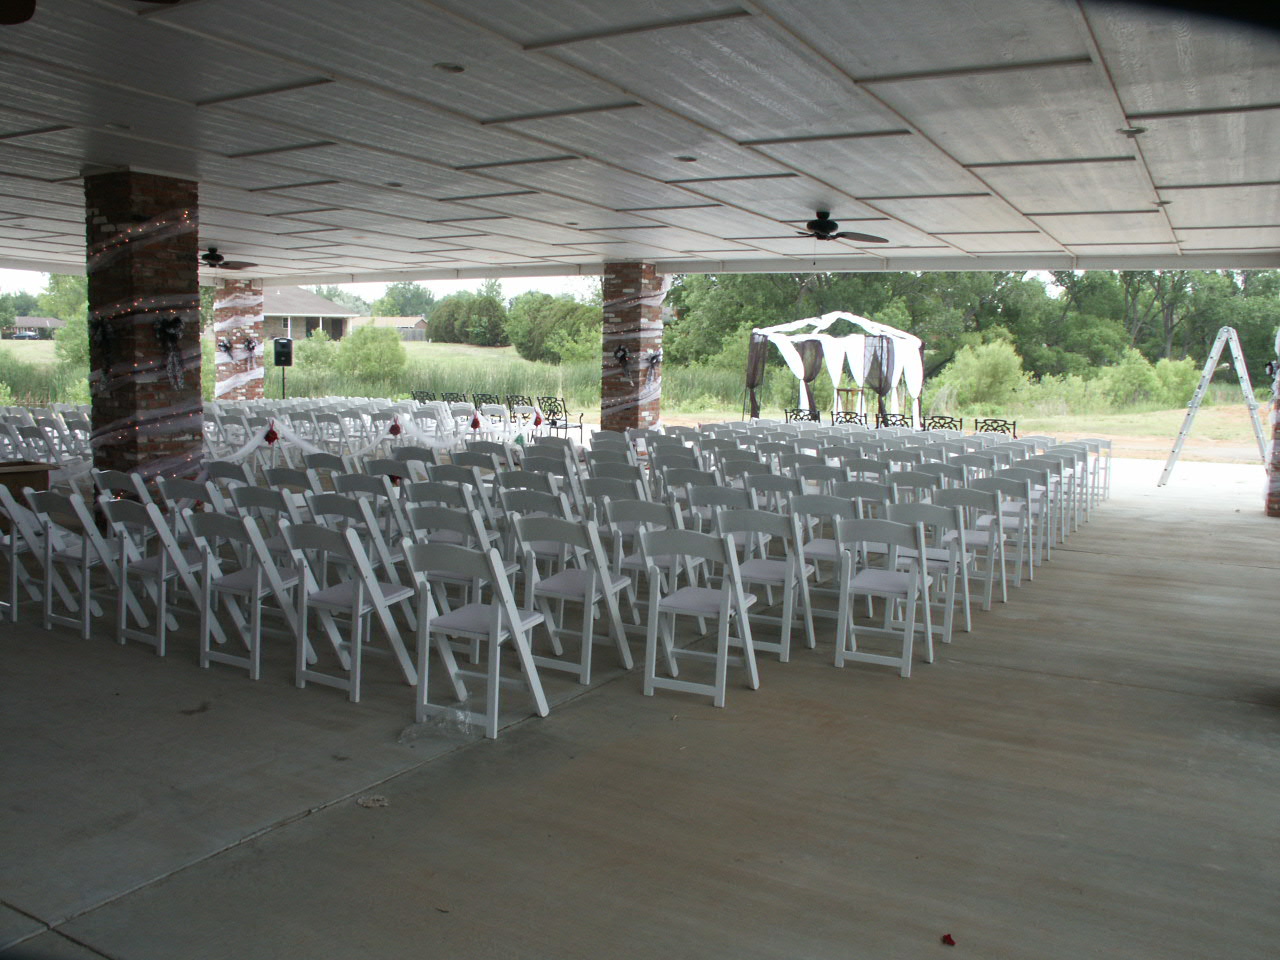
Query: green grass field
x,y
30,351
1222,430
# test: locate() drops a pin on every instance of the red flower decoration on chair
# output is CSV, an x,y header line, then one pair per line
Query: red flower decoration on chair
x,y
475,421
271,436
537,417
395,429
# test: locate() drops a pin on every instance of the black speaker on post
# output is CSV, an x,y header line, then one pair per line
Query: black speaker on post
x,y
283,352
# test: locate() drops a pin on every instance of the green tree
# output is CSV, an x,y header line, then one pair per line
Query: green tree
x,y
404,299
450,317
372,354
487,317
352,300
67,298
16,305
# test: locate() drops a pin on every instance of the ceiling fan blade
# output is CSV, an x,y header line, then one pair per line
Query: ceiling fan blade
x,y
803,233
861,237
16,11
235,265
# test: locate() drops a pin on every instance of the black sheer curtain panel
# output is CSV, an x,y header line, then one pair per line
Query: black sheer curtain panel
x,y
757,354
811,355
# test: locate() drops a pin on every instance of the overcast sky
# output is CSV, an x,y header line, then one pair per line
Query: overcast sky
x,y
19,281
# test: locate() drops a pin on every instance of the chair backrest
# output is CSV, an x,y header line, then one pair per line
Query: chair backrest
x,y
527,480
268,503
499,450
118,483
479,459
178,493
771,492
717,548
597,489
758,524
408,454
535,502
287,478
424,519
395,470
890,533
326,461
434,491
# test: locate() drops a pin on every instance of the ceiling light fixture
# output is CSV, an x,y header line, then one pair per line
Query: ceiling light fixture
x,y
1132,132
683,158
393,183
446,67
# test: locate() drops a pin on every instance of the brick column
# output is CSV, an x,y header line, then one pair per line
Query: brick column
x,y
144,323
631,383
237,329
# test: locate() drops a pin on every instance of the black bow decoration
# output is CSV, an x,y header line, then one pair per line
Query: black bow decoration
x,y
622,356
654,359
168,330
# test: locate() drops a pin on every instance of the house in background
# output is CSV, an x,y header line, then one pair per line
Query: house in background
x,y
409,328
295,312
35,328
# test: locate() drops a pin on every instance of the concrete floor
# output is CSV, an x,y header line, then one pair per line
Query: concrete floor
x,y
1092,772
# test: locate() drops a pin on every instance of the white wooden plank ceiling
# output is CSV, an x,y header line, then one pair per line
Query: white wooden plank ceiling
x,y
422,139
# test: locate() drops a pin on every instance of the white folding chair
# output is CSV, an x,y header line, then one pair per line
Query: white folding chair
x,y
903,586
583,577
984,537
727,605
790,573
348,586
236,568
496,621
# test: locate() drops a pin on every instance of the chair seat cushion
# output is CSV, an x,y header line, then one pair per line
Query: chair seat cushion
x,y
473,620
571,584
697,601
341,596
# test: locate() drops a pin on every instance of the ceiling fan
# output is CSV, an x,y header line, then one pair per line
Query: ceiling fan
x,y
824,228
216,260
20,11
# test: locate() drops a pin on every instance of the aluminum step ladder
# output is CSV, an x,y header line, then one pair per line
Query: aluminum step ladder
x,y
1226,335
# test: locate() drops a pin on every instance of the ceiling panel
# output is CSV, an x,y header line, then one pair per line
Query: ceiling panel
x,y
21,160
1172,60
116,46
363,165
1122,249
1240,206
556,210
1033,114
1238,238
716,219
935,214
378,119
1020,242
672,238
410,38
648,141
1107,228
878,166
736,76
789,197
594,182
1215,148
535,21
1071,187
883,37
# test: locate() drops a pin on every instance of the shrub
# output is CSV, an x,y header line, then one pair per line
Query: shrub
x,y
983,378
1131,381
317,349
372,355
1177,381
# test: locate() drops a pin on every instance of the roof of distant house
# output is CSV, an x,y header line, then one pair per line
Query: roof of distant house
x,y
297,302
39,323
394,323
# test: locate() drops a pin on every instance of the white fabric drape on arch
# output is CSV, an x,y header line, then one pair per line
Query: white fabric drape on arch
x,y
849,352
